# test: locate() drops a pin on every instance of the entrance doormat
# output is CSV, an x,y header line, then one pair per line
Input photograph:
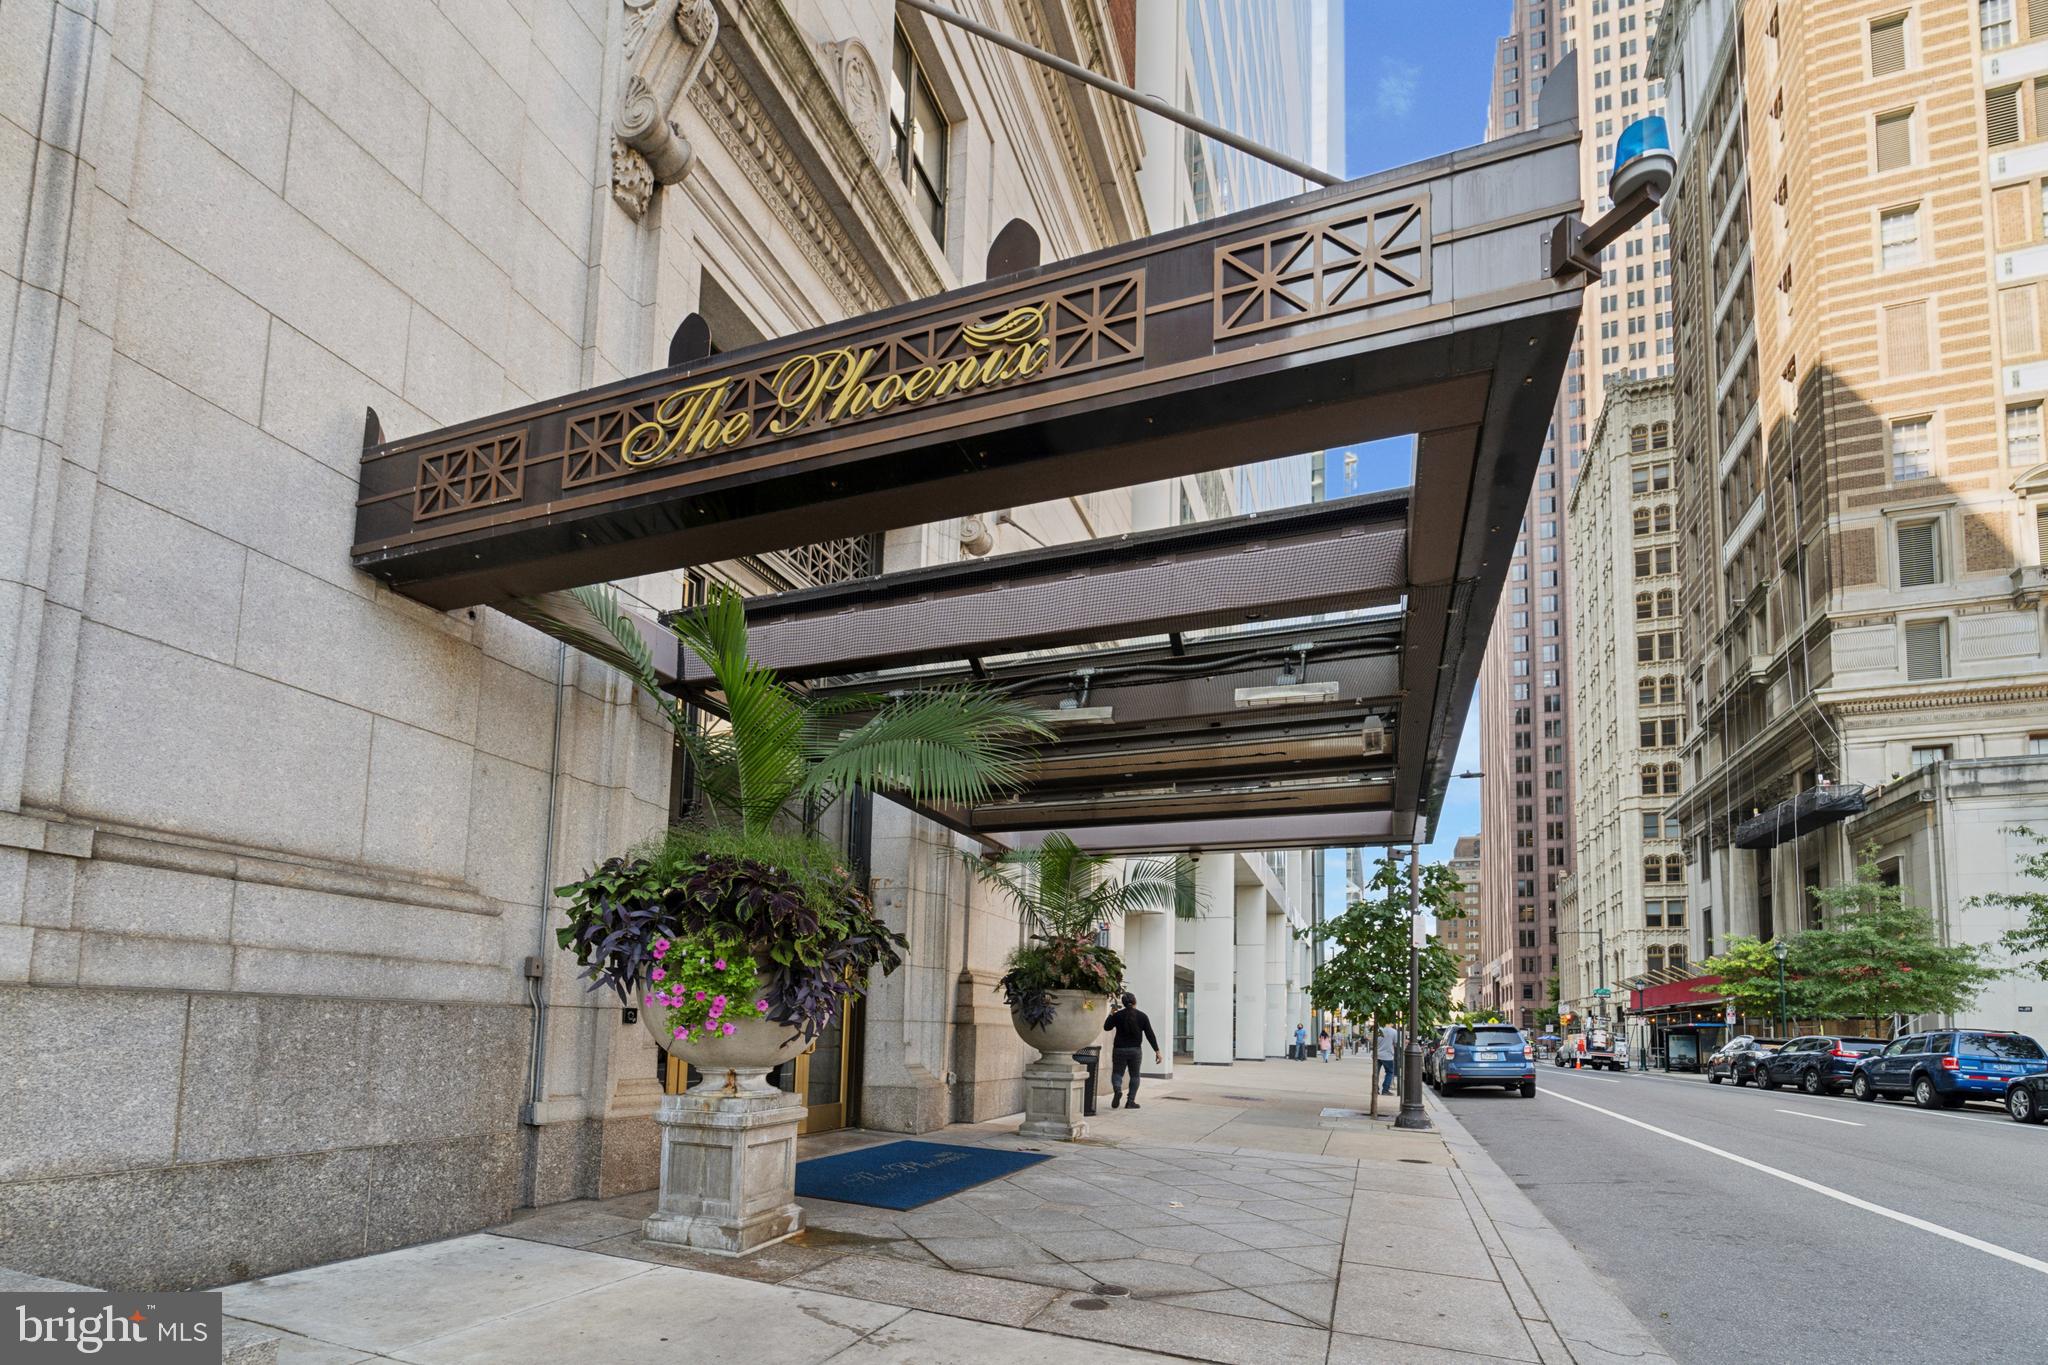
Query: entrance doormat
x,y
905,1175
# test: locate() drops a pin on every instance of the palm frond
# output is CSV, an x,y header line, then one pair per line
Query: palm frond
x,y
767,720
950,748
590,620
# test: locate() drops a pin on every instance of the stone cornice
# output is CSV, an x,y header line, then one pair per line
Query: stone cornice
x,y
1926,697
767,76
1112,220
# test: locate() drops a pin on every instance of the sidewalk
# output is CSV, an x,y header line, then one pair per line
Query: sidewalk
x,y
1241,1222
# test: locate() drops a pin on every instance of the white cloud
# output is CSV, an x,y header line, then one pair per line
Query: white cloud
x,y
1393,92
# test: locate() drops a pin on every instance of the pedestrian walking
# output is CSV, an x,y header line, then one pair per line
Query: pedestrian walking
x,y
1323,1045
1389,1049
1300,1042
1130,1025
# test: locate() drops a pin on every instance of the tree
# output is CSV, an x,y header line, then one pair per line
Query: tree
x,y
1749,978
2029,942
1366,971
1876,956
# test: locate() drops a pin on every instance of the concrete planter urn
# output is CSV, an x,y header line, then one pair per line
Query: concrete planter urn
x,y
736,1065
1076,1023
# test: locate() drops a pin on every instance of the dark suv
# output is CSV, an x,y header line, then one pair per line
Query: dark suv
x,y
1819,1064
1949,1067
1739,1059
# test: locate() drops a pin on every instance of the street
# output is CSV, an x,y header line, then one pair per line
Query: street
x,y
1745,1225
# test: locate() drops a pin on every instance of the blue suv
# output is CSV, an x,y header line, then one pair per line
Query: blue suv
x,y
1486,1054
1948,1067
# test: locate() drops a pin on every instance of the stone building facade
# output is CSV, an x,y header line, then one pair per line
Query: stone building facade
x,y
277,974
1628,703
1861,479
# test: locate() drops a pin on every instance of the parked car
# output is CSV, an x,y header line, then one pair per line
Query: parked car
x,y
1736,1059
1950,1066
1818,1063
1486,1054
1433,1052
2026,1099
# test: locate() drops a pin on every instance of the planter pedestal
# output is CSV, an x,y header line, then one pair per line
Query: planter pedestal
x,y
1053,1096
728,1165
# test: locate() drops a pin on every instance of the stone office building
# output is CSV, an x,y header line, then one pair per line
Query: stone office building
x,y
1862,498
277,978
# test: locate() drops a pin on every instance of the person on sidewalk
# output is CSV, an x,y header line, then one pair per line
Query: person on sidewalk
x,y
1323,1045
1300,1042
1389,1049
1130,1025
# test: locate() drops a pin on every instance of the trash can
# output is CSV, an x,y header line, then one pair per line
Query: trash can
x,y
1091,1058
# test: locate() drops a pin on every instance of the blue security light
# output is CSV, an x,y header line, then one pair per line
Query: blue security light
x,y
1642,159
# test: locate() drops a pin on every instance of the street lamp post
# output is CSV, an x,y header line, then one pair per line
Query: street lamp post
x,y
1412,1115
1778,950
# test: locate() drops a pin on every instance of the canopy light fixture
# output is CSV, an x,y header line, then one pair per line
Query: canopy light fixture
x,y
1289,694
1373,735
1070,712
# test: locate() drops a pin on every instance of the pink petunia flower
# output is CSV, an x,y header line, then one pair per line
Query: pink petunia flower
x,y
731,1029
660,975
718,1002
698,996
719,965
682,1032
660,946
761,1005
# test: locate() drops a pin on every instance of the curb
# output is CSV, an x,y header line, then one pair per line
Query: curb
x,y
1558,1293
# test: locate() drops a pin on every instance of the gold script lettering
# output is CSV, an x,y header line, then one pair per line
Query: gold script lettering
x,y
831,385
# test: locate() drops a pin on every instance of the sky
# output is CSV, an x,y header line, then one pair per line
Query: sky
x,y
1417,80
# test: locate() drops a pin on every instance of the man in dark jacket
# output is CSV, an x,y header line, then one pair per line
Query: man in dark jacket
x,y
1129,1024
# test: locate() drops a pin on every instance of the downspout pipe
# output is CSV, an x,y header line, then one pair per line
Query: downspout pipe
x,y
538,976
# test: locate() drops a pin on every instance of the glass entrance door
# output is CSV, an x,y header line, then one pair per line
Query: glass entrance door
x,y
819,1075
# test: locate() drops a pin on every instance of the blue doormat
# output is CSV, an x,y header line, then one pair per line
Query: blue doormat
x,y
904,1175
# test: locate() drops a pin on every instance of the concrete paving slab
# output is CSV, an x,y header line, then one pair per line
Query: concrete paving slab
x,y
575,1226
1053,1274
953,1293
1179,1236
1432,1310
1323,1260
381,1304
1346,1349
928,1339
1433,1253
1100,1244
1312,1300
1188,1332
665,1313
1274,1236
1144,1277
977,1253
770,1265
1239,1304
1374,1208
1248,1269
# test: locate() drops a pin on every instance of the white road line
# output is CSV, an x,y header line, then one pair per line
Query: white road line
x,y
1802,1114
1989,1248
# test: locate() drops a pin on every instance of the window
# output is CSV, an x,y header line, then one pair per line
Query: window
x,y
1888,45
1670,779
2037,745
1674,869
1919,553
918,134
1912,449
1653,957
1653,914
1926,650
1650,824
1642,521
1994,24
2023,434
1926,754
1898,233
1895,140
1674,914
1678,957
1667,689
1653,871
2002,116
1649,779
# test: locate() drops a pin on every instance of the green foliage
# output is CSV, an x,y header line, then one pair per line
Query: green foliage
x,y
1365,973
1064,962
2029,942
784,902
1468,1018
705,983
1873,957
1065,896
1061,890
953,746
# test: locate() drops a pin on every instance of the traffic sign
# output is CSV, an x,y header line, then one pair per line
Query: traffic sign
x,y
1602,992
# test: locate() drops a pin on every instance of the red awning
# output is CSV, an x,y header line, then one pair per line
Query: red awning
x,y
1695,990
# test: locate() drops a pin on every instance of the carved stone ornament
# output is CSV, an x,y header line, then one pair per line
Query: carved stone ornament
x,y
860,91
666,45
632,179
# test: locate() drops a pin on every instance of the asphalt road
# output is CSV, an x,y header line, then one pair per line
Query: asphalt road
x,y
1728,1261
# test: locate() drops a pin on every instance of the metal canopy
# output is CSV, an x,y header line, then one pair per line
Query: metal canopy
x,y
1416,301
